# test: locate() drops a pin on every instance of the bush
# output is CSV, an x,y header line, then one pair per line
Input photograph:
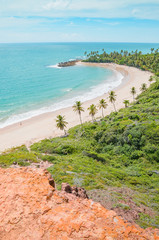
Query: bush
x,y
94,156
136,154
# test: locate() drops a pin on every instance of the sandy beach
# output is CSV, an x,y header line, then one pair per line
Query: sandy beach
x,y
44,125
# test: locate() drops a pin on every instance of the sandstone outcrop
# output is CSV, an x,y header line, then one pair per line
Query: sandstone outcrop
x,y
31,209
77,191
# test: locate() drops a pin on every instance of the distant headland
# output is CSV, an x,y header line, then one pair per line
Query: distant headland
x,y
68,63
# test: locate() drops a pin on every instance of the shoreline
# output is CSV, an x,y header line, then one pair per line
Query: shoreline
x,y
44,125
95,90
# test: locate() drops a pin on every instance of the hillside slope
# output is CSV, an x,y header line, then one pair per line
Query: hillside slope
x,y
116,159
33,209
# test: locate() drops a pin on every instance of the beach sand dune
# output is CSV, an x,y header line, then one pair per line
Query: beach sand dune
x,y
44,125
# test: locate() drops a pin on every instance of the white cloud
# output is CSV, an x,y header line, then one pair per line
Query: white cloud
x,y
57,5
81,8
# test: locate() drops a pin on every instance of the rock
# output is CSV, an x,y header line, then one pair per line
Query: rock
x,y
68,64
32,209
77,191
155,171
51,182
66,188
82,193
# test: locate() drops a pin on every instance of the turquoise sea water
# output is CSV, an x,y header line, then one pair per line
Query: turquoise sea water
x,y
31,83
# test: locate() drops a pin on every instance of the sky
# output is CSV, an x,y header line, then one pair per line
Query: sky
x,y
79,21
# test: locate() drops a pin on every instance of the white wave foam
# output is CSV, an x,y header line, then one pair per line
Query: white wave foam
x,y
3,111
94,91
53,66
67,90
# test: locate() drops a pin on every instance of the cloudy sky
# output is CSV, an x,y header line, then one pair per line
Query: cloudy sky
x,y
79,21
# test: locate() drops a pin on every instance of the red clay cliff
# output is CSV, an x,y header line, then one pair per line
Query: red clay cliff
x,y
31,209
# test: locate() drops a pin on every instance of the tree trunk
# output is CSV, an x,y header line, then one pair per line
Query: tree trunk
x,y
114,107
102,113
80,118
133,97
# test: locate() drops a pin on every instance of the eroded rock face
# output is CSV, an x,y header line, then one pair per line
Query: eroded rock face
x,y
77,191
31,208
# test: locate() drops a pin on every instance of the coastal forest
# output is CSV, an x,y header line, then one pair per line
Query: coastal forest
x,y
115,158
147,62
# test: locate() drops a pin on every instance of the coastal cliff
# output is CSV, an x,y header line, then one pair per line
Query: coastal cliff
x,y
31,208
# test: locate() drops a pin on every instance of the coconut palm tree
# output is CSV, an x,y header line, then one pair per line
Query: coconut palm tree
x,y
61,123
143,87
92,111
102,105
112,98
126,102
151,79
152,49
133,92
77,107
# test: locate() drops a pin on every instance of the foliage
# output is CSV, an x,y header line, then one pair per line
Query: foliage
x,y
147,62
126,102
102,105
120,150
133,92
143,87
61,123
112,98
92,111
77,107
20,156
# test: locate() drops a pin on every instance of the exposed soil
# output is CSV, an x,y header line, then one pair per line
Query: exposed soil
x,y
121,201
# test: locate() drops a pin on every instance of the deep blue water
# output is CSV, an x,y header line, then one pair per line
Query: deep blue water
x,y
30,82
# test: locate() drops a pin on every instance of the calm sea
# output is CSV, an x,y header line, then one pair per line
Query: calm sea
x,y
31,83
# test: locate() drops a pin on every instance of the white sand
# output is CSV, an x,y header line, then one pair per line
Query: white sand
x,y
44,125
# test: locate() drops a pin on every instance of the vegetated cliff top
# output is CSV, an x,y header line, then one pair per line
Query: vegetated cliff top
x,y
31,209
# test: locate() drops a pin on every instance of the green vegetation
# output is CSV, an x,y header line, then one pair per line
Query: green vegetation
x,y
112,99
102,105
143,87
148,62
126,102
20,156
133,92
92,111
77,107
61,123
120,151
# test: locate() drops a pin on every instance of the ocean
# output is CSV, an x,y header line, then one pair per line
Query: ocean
x,y
32,84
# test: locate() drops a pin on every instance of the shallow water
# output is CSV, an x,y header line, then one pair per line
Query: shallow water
x,y
31,83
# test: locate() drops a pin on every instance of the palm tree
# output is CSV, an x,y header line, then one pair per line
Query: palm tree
x,y
92,111
102,105
126,102
77,107
151,79
61,123
133,92
112,98
152,49
143,87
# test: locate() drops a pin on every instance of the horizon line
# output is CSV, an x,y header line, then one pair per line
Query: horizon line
x,y
76,42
